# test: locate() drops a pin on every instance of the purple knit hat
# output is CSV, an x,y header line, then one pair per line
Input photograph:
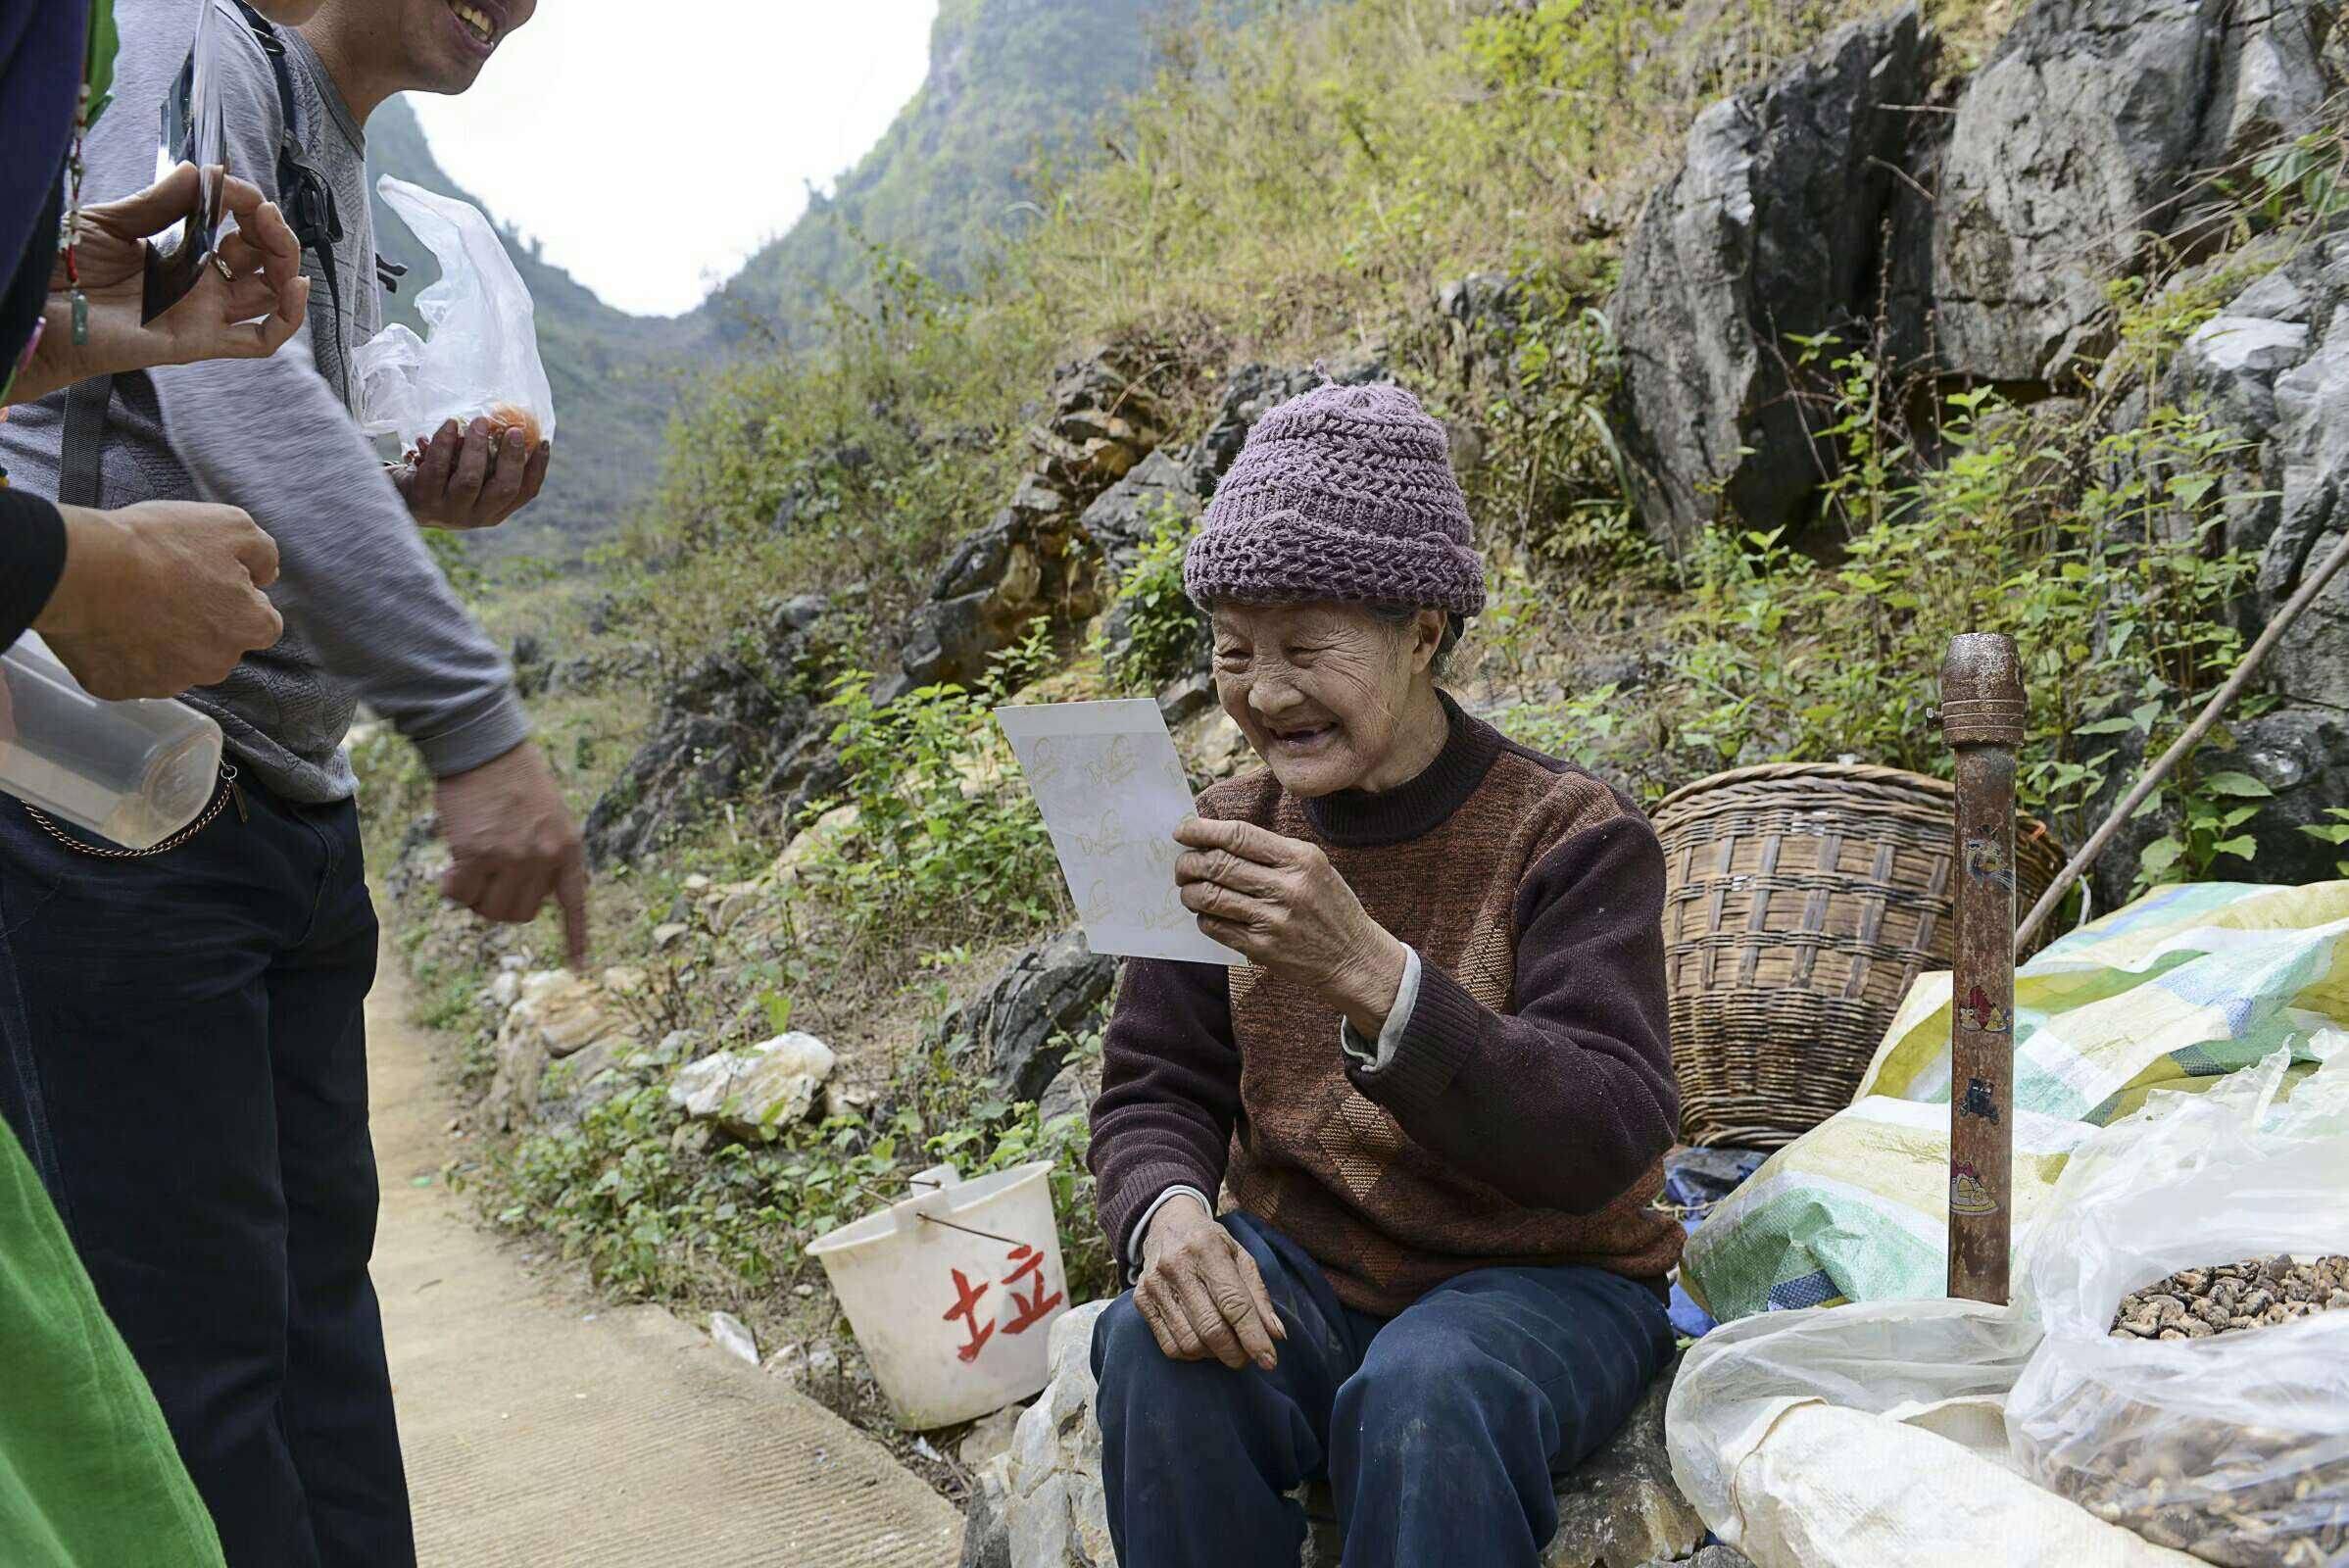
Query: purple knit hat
x,y
1345,494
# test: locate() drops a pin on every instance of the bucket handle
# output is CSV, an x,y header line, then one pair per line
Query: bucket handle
x,y
966,1229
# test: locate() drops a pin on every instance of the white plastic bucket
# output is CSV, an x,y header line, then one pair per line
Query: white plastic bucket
x,y
952,1292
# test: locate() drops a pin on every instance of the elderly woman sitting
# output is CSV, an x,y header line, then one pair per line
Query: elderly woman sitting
x,y
1436,1096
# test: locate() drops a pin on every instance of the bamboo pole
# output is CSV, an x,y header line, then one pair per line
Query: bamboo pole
x,y
2310,587
1983,719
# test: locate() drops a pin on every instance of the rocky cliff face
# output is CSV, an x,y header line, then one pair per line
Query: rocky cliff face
x,y
1977,242
2273,367
1767,233
1974,241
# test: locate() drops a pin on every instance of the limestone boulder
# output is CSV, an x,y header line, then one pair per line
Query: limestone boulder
x,y
1042,1506
1768,232
1123,518
747,1092
1018,1031
1072,1092
556,1014
731,725
1035,558
2084,138
2271,371
826,830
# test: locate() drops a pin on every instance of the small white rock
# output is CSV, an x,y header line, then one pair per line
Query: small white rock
x,y
729,910
734,1337
666,935
823,1361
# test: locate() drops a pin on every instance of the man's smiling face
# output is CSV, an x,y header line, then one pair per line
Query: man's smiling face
x,y
445,44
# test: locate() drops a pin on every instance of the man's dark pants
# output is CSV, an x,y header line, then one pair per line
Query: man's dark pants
x,y
1439,1430
184,1054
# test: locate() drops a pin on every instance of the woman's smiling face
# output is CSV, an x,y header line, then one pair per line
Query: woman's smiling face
x,y
1319,689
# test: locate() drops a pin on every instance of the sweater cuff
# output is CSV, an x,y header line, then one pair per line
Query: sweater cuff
x,y
1444,1026
485,734
1133,1198
1379,1052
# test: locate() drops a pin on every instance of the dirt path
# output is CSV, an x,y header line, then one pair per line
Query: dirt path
x,y
545,1432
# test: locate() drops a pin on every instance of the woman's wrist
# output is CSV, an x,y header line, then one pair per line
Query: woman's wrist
x,y
1363,993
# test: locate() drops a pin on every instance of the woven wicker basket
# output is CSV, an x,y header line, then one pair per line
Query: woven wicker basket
x,y
1801,900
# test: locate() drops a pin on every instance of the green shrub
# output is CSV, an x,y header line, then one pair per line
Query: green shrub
x,y
1169,630
2117,600
948,846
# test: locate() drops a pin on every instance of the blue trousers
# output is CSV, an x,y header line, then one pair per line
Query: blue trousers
x,y
183,1056
1439,1430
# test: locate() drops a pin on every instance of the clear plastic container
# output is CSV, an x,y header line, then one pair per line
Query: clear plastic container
x,y
132,772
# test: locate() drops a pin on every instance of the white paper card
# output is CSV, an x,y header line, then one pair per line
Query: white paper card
x,y
1112,793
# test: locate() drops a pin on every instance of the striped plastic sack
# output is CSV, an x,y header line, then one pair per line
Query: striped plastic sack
x,y
2175,991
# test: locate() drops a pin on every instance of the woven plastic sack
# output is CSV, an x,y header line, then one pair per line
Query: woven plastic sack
x,y
2233,1446
1856,1437
481,359
2176,991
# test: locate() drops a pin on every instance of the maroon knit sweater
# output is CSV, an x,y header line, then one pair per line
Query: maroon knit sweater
x,y
1525,1113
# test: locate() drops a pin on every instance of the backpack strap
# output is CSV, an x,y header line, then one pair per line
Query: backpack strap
x,y
303,194
81,444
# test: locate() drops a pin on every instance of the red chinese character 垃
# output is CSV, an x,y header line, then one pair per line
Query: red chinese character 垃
x,y
1033,1306
965,1308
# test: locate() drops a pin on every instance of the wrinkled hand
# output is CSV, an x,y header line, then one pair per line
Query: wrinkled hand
x,y
472,479
514,845
160,597
1278,902
249,313
1202,1293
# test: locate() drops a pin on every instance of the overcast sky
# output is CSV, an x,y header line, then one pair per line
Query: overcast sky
x,y
651,148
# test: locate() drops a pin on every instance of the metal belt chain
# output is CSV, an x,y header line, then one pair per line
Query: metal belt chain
x,y
228,790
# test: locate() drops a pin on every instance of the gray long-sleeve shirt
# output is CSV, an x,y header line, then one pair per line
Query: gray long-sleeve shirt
x,y
367,612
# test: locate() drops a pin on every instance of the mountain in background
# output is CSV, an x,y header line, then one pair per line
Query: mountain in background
x,y
1012,85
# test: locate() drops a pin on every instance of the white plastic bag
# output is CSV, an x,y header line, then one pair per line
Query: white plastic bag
x,y
1926,1433
1853,1437
2236,1445
483,356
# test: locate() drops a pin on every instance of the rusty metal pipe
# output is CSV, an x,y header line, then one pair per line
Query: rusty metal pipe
x,y
1982,714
